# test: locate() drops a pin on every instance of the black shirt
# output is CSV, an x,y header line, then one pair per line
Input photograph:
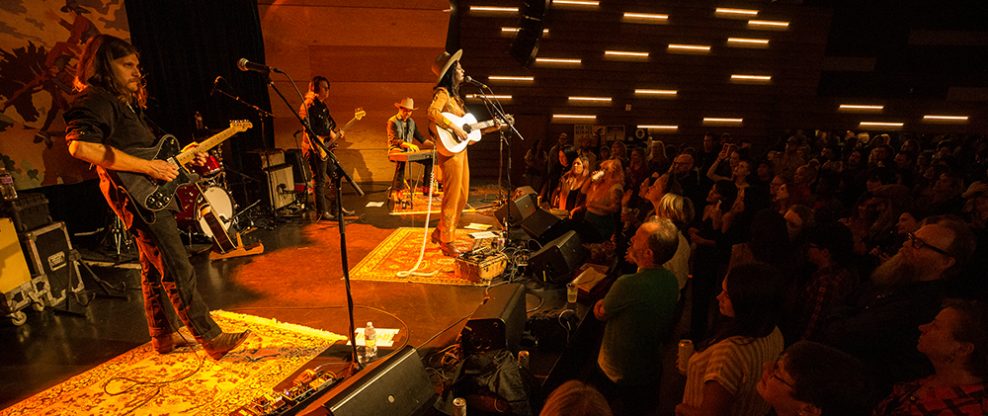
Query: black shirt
x,y
320,120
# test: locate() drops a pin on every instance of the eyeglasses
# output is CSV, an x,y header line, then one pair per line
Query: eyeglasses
x,y
919,244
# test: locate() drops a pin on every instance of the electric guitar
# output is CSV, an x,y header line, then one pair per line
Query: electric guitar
x,y
358,113
152,195
451,144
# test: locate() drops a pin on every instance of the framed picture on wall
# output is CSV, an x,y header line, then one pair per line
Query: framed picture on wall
x,y
583,133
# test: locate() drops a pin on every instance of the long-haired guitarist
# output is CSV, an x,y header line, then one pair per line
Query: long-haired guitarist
x,y
455,167
105,121
316,112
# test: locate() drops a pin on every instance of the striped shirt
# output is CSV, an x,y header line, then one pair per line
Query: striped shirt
x,y
737,366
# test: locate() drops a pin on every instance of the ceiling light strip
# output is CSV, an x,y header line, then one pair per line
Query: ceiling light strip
x,y
666,127
493,9
860,107
938,117
510,78
680,47
880,124
645,91
768,24
735,12
648,17
590,99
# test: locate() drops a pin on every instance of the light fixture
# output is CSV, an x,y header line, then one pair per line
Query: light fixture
x,y
573,118
732,12
768,24
496,96
655,93
722,121
559,61
510,78
575,3
747,42
493,10
654,18
860,108
881,124
684,48
750,79
944,119
662,127
625,55
511,31
590,100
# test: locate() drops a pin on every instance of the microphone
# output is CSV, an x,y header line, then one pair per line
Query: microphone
x,y
468,79
216,85
244,65
597,176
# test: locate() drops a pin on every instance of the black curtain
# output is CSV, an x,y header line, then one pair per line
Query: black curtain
x,y
184,46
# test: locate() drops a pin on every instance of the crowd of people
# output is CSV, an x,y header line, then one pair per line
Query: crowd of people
x,y
827,273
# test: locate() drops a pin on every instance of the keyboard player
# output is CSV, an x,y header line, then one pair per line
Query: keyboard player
x,y
402,134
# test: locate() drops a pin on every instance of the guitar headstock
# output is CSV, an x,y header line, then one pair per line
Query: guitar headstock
x,y
240,125
359,113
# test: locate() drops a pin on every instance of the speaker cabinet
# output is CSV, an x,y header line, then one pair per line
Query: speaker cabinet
x,y
526,44
559,259
397,387
519,208
281,185
498,322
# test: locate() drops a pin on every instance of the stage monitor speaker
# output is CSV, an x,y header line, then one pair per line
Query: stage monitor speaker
x,y
397,387
281,185
542,226
520,207
498,322
559,259
526,44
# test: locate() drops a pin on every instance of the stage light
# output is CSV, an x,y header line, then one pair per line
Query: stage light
x,y
768,24
722,121
559,61
654,18
660,127
880,124
510,78
626,55
860,108
736,13
747,42
655,93
493,10
944,119
688,49
750,79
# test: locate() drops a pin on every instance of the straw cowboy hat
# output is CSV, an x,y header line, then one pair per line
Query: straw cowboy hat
x,y
444,62
407,103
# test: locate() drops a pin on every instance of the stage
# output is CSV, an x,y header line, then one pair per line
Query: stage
x,y
297,280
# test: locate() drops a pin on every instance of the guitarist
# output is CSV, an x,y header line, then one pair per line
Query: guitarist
x,y
105,120
455,169
315,111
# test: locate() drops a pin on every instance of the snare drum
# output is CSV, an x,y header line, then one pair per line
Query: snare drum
x,y
212,166
190,219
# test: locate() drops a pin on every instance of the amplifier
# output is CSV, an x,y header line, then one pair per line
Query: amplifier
x,y
15,277
498,322
50,253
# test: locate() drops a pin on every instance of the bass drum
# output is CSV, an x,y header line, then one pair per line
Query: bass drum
x,y
190,217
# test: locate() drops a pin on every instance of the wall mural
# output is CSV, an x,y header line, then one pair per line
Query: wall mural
x,y
40,41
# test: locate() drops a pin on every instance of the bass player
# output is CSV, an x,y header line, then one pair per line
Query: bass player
x,y
316,113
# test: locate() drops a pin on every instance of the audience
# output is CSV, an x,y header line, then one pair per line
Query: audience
x,y
722,374
638,312
881,188
575,398
814,379
956,343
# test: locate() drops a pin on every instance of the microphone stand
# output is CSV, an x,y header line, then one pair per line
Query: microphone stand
x,y
337,175
262,115
496,110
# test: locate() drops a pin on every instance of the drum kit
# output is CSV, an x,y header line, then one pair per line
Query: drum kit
x,y
211,189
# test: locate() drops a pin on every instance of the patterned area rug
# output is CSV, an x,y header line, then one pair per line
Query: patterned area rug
x,y
176,384
400,251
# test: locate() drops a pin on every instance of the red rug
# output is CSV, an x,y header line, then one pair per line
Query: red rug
x,y
400,251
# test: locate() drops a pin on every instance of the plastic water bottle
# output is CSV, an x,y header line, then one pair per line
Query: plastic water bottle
x,y
370,342
7,185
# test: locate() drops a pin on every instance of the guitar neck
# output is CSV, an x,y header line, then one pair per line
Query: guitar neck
x,y
205,145
348,124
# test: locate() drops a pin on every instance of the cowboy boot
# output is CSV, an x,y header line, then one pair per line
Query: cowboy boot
x,y
224,343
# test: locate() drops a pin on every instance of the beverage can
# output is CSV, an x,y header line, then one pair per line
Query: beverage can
x,y
459,406
523,359
571,293
683,355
